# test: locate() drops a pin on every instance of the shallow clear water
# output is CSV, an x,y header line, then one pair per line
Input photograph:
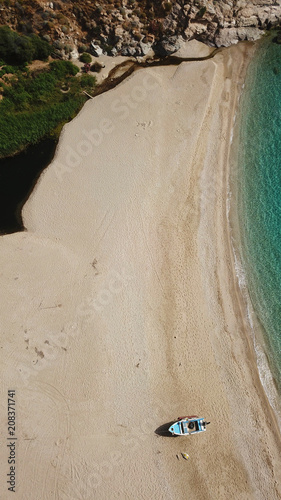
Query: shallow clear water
x,y
259,193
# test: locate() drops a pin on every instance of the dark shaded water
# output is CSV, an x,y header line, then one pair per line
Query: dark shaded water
x,y
18,176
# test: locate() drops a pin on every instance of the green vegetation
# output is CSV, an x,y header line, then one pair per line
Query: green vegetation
x,y
85,58
201,12
87,81
35,105
18,49
63,69
168,6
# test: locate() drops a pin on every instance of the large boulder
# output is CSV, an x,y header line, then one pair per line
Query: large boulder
x,y
128,51
118,34
248,21
230,36
145,48
197,27
226,37
74,54
168,46
96,50
250,34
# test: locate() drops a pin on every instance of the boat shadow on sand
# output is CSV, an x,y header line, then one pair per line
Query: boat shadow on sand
x,y
163,430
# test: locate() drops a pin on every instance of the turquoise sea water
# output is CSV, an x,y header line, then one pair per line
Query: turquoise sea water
x,y
259,194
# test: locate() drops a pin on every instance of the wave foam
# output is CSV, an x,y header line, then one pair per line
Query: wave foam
x,y
267,381
264,371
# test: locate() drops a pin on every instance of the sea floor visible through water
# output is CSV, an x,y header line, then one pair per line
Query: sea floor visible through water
x,y
256,205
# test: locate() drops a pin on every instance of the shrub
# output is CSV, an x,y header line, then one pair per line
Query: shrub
x,y
96,31
45,15
9,69
85,57
68,48
19,130
138,36
137,12
47,25
167,6
107,48
58,44
61,18
14,49
87,81
44,83
18,49
82,48
97,67
33,106
42,49
63,68
201,12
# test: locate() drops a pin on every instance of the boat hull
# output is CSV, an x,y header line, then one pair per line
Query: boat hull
x,y
187,426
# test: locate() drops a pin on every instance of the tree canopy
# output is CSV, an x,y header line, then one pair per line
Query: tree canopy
x,y
18,49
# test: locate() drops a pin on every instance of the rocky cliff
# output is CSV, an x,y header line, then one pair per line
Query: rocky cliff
x,y
132,27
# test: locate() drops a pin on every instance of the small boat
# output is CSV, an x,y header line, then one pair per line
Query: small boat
x,y
185,426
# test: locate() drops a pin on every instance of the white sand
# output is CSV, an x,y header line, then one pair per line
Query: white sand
x,y
121,310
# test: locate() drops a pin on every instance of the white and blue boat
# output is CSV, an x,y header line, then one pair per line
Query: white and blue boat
x,y
185,426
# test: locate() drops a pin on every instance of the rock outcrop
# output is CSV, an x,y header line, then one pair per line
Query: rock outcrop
x,y
133,27
168,46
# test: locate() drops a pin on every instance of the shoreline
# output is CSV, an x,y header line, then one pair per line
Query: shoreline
x,y
255,330
248,315
123,306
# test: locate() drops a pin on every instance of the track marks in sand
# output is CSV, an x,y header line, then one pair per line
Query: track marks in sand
x,y
153,264
104,228
49,419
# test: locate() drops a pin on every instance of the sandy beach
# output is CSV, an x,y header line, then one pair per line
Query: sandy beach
x,y
122,311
